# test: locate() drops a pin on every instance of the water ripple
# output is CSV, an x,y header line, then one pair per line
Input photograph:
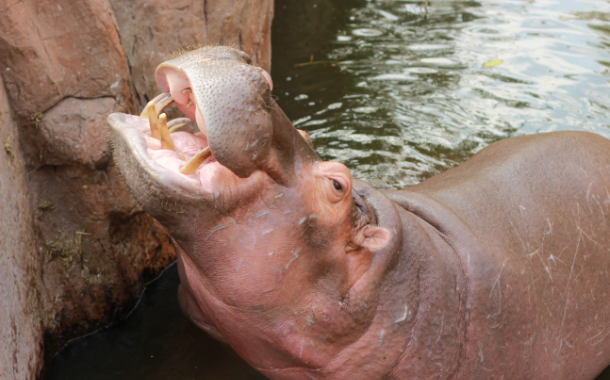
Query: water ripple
x,y
415,98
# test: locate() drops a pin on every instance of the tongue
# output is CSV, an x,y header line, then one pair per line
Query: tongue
x,y
187,145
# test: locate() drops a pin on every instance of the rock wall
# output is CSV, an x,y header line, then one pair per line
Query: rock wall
x,y
20,332
75,248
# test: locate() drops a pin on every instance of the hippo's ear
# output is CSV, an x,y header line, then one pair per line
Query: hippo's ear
x,y
370,237
365,241
374,238
306,137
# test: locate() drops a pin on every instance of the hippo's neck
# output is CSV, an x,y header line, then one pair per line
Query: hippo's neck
x,y
420,307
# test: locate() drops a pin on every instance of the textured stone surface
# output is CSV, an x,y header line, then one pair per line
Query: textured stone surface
x,y
51,49
75,248
150,31
20,333
74,130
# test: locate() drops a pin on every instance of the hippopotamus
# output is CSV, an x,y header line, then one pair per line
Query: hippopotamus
x,y
495,269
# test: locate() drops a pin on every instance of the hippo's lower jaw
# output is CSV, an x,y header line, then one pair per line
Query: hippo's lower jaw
x,y
170,157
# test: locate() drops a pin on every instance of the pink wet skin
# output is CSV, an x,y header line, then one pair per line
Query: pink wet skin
x,y
267,257
209,175
187,144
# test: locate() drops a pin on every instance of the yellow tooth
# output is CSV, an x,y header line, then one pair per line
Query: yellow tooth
x,y
190,103
177,123
191,166
160,102
154,121
187,91
166,139
175,127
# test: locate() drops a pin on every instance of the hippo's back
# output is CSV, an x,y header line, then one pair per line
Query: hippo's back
x,y
538,211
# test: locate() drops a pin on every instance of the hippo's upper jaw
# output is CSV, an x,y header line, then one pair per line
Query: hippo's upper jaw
x,y
242,138
230,101
274,254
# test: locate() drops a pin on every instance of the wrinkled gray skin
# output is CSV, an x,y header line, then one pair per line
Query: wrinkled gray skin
x,y
497,269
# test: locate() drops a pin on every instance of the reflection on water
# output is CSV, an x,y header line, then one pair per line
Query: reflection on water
x,y
398,91
403,92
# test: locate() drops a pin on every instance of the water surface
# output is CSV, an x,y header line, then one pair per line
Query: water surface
x,y
399,90
154,342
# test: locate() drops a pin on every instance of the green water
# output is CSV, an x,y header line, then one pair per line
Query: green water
x,y
408,95
398,91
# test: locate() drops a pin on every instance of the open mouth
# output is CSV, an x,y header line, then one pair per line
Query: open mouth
x,y
215,86
178,145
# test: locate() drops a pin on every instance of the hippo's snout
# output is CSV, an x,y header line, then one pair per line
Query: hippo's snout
x,y
228,98
232,129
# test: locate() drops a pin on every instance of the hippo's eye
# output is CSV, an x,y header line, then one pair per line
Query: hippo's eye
x,y
337,185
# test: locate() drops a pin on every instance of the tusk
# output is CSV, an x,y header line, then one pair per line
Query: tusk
x,y
178,123
154,121
187,91
176,127
166,139
160,102
191,166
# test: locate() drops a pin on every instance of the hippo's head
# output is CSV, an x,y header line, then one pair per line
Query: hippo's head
x,y
277,252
